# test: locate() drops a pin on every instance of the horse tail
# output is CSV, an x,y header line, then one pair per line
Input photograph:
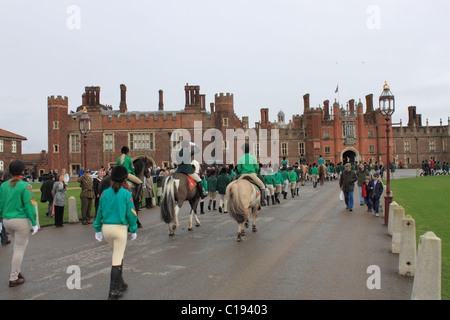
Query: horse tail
x,y
168,200
235,206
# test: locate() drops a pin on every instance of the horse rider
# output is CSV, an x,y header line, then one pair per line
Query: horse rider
x,y
302,159
125,160
185,164
320,161
248,167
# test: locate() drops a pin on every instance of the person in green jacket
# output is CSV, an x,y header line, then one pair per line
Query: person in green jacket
x,y
125,160
285,176
314,174
17,209
212,190
205,187
116,213
278,184
248,166
223,181
292,180
270,185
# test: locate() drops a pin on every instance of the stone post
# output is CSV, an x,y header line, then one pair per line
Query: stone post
x,y
427,281
392,207
73,211
397,215
407,257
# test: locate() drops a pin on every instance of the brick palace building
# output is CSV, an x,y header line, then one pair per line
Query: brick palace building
x,y
354,133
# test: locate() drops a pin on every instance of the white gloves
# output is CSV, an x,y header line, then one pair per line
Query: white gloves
x,y
99,236
1,226
35,229
192,144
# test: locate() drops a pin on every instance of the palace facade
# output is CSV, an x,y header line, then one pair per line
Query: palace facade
x,y
354,133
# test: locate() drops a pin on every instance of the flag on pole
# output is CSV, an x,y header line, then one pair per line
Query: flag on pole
x,y
337,89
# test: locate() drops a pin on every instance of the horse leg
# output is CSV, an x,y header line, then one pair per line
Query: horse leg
x,y
240,232
255,214
190,220
171,232
176,224
197,222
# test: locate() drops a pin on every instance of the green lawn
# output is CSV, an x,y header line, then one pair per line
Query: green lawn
x,y
426,199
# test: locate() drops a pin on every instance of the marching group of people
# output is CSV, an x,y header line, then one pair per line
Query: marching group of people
x,y
116,215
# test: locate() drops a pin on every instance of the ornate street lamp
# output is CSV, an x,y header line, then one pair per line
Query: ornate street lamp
x,y
387,108
84,125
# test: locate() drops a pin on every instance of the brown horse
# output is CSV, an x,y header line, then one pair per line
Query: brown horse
x,y
322,173
304,169
242,195
176,190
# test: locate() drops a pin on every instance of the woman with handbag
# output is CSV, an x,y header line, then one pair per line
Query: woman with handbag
x,y
59,199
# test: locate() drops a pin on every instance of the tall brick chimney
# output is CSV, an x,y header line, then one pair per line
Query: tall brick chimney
x,y
161,102
306,102
123,98
326,108
411,116
369,103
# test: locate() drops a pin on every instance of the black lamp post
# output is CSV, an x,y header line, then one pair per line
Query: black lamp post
x,y
387,108
85,128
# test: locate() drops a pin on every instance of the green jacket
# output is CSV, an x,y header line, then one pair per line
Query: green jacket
x,y
222,182
285,175
270,179
116,208
278,178
314,170
362,176
183,167
17,201
126,163
212,184
247,164
292,176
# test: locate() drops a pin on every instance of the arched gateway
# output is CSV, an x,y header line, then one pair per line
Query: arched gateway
x,y
350,155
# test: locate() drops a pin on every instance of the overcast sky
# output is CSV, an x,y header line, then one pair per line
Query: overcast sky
x,y
268,53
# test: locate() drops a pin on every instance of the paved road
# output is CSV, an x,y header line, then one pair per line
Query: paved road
x,y
306,248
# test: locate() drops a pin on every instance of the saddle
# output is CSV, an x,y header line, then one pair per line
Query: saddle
x,y
192,183
249,179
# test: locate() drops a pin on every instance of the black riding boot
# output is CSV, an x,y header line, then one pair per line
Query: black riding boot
x,y
159,201
284,194
209,205
273,200
122,285
277,197
292,192
214,205
268,200
201,191
114,286
202,206
138,192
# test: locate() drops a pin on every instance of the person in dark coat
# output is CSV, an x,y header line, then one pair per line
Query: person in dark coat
x,y
223,180
377,193
184,161
347,185
46,193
